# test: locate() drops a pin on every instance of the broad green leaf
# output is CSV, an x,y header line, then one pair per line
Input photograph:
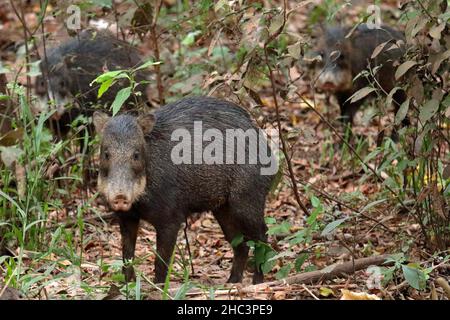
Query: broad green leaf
x,y
436,60
279,229
421,23
313,216
300,261
268,265
190,38
378,49
295,50
104,87
361,93
329,228
315,201
428,110
372,204
403,68
106,76
276,23
284,271
390,96
120,99
435,32
416,278
402,112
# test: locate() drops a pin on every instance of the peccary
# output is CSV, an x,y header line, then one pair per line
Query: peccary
x,y
141,177
68,70
342,59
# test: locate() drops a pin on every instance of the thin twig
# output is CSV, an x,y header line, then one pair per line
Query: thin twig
x,y
277,110
154,37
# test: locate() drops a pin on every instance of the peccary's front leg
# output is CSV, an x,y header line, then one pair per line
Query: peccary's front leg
x,y
129,224
166,237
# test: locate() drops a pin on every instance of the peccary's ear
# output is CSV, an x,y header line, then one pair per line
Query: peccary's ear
x,y
146,121
100,119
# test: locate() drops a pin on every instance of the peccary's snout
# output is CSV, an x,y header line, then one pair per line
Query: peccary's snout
x,y
120,202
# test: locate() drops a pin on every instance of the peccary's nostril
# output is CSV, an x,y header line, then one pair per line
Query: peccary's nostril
x,y
121,202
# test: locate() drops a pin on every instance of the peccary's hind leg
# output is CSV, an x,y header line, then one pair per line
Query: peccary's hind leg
x,y
242,218
240,252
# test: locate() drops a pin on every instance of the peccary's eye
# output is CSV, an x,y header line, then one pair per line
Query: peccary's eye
x,y
136,155
106,155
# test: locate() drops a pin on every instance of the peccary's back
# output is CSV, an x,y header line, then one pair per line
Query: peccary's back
x,y
199,185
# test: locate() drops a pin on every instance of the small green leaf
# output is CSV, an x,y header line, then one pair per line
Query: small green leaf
x,y
270,220
103,3
120,99
325,292
428,110
237,240
148,64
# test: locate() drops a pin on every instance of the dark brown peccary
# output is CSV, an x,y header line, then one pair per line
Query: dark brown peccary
x,y
139,180
68,70
342,59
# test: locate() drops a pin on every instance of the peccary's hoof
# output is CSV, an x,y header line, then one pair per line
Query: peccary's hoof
x,y
129,274
258,278
159,278
234,279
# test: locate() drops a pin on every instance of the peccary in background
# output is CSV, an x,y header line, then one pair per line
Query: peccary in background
x,y
342,59
69,69
140,179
